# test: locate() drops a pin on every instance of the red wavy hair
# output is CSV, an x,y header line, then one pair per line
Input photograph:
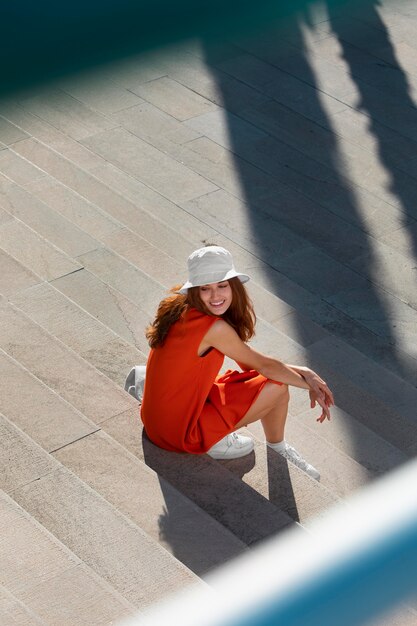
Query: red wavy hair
x,y
240,314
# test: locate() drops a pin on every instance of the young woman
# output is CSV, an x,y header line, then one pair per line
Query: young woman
x,y
187,406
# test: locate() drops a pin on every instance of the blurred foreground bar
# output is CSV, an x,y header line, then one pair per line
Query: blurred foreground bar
x,y
43,39
352,565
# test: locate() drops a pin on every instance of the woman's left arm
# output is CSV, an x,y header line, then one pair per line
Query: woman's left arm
x,y
243,366
318,387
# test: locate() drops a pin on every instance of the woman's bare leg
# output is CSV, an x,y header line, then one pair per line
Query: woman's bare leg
x,y
271,407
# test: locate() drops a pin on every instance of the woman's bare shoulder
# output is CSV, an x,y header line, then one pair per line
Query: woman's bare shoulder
x,y
221,335
221,328
224,338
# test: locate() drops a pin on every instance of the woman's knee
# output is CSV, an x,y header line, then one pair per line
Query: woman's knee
x,y
270,397
277,393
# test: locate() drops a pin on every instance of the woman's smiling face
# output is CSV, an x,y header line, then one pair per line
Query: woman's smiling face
x,y
217,297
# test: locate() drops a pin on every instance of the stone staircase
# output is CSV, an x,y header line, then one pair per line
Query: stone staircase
x,y
107,183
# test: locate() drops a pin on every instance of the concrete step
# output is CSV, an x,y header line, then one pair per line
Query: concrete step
x,y
307,315
340,474
28,248
359,407
364,338
4,216
10,134
330,74
312,268
262,111
20,170
60,368
108,305
38,410
293,190
125,482
399,616
44,582
101,195
129,280
391,390
359,417
130,188
15,613
126,240
353,439
63,112
142,160
97,91
89,338
14,276
331,318
182,528
283,484
47,222
104,539
332,56
18,119
120,176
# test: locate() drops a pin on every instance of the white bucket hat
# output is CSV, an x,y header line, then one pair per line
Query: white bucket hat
x,y
211,264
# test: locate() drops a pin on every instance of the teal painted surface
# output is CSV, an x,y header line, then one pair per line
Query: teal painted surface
x,y
352,593
45,38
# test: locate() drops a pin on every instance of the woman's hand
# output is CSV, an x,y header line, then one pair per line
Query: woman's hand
x,y
315,399
319,392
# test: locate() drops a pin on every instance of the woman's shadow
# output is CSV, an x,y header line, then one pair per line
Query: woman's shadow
x,y
218,488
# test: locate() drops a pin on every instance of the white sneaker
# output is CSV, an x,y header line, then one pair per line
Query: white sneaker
x,y
291,454
232,446
135,381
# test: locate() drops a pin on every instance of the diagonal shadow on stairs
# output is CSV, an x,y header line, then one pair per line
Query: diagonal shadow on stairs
x,y
302,213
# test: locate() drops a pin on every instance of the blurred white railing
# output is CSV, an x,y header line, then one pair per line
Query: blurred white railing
x,y
354,563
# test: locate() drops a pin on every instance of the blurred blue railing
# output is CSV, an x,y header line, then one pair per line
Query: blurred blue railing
x,y
351,565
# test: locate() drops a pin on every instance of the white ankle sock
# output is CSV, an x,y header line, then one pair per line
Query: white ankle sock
x,y
277,446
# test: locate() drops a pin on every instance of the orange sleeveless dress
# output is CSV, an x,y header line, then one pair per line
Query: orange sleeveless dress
x,y
187,406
